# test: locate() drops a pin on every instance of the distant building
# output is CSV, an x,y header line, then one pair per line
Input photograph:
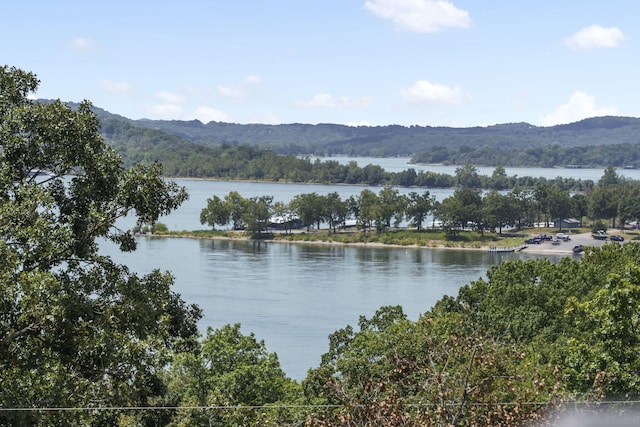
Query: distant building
x,y
282,223
567,223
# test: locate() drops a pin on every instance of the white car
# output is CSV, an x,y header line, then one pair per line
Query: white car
x,y
562,236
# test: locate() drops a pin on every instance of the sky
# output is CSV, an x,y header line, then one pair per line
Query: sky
x,y
458,63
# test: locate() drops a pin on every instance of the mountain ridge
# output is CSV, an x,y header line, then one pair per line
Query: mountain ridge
x,y
394,140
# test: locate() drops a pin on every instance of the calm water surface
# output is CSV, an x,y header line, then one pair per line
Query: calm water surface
x,y
293,296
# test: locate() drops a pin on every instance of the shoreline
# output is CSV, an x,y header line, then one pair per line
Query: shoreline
x,y
544,248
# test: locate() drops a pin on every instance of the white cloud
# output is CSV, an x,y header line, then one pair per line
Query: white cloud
x,y
208,114
170,97
432,93
595,36
325,100
165,111
82,44
114,87
580,106
239,90
420,16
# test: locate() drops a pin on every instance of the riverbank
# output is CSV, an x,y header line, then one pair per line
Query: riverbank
x,y
410,239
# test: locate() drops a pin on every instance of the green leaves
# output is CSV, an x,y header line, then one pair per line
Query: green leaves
x,y
231,369
76,330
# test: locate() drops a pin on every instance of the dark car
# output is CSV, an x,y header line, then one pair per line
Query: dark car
x,y
616,238
533,241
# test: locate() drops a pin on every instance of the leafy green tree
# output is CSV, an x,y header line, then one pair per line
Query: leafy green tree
x,y
467,177
558,204
419,206
610,178
540,194
579,206
257,214
524,202
76,329
391,205
336,210
159,228
603,203
608,351
501,210
440,370
310,208
238,205
499,179
464,207
217,212
629,204
230,370
367,209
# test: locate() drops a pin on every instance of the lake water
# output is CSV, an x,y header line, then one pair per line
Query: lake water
x,y
399,164
293,296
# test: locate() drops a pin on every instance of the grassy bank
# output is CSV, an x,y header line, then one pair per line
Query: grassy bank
x,y
395,237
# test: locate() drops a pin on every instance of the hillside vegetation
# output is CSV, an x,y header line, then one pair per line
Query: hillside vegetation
x,y
188,148
597,141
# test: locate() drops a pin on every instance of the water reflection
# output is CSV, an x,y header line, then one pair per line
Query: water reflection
x,y
293,296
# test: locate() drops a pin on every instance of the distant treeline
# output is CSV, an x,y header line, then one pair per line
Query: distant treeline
x,y
181,158
594,142
619,155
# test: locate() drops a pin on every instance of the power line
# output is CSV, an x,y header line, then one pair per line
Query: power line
x,y
255,407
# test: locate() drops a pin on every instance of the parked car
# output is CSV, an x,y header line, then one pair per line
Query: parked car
x,y
563,236
533,241
616,238
600,235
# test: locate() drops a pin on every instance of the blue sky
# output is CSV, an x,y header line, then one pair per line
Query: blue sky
x,y
454,63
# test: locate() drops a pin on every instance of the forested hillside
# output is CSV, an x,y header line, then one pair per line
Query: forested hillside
x,y
493,145
595,142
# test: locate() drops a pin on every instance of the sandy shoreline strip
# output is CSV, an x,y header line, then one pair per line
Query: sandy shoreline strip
x,y
563,248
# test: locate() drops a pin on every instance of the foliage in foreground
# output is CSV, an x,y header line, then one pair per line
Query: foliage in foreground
x,y
76,329
500,353
521,346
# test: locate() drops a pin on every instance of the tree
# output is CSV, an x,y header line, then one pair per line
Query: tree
x,y
217,212
629,204
230,369
603,203
367,205
391,204
609,349
500,210
467,177
579,206
257,214
464,207
609,178
524,203
310,208
238,206
76,329
558,204
419,206
336,210
540,194
440,370
499,179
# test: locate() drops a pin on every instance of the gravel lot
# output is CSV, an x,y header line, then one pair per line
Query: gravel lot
x,y
583,239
